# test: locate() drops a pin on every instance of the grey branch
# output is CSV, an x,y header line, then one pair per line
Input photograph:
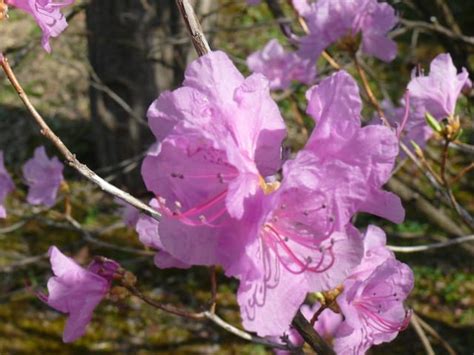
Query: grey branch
x,y
436,27
418,248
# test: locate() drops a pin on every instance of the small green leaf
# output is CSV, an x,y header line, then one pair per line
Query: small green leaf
x,y
433,123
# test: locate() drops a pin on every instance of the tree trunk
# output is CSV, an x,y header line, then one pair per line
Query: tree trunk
x,y
134,54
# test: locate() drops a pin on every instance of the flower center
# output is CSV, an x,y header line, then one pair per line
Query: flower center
x,y
268,187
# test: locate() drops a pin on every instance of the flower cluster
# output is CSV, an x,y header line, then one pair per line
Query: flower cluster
x,y
330,21
47,14
370,306
215,172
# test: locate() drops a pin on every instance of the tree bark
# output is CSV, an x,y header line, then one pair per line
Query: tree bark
x,y
134,52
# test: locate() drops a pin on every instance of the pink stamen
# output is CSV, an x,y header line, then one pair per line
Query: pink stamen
x,y
197,211
305,264
200,208
378,322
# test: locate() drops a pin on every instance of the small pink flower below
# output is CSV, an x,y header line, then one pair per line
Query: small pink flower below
x,y
77,291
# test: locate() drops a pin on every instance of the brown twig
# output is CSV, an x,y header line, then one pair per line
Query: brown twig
x,y
23,263
194,27
164,307
428,166
279,16
71,159
436,27
461,174
435,334
444,162
205,315
89,237
365,84
317,314
463,213
422,335
308,333
447,186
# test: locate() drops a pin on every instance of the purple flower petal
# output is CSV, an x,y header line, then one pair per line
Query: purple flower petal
x,y
47,14
44,177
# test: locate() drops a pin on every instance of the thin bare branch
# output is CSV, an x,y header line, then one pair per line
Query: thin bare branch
x,y
365,84
194,27
91,239
421,333
463,172
23,263
436,335
419,248
206,315
436,27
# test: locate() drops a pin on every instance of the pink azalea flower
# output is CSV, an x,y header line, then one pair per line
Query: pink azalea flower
x,y
47,14
371,303
365,155
372,300
373,307
375,252
331,20
217,139
77,291
305,242
438,92
44,177
281,67
6,186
